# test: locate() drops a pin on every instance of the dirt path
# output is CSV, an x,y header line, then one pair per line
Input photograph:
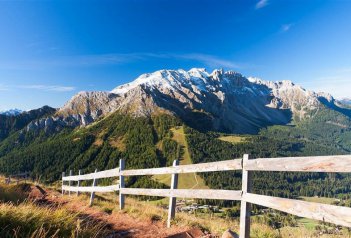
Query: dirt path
x,y
120,224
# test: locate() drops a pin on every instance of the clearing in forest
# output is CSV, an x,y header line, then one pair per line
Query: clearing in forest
x,y
185,181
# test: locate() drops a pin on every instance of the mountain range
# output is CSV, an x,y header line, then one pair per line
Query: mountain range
x,y
11,112
194,116
219,101
346,101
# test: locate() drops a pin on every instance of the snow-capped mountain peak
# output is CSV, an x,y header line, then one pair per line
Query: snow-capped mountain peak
x,y
164,79
197,79
229,100
11,112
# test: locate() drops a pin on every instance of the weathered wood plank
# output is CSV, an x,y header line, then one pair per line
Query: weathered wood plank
x,y
245,207
226,165
338,163
102,174
328,213
121,184
186,193
191,168
63,175
69,182
97,189
172,200
92,195
78,182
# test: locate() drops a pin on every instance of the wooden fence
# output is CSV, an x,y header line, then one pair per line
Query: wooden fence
x,y
323,212
18,177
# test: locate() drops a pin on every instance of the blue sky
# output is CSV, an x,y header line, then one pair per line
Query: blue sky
x,y
50,50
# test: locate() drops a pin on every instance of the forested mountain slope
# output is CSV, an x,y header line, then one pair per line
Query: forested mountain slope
x,y
135,122
138,140
13,123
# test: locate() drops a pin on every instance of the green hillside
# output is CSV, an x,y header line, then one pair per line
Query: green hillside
x,y
191,180
157,141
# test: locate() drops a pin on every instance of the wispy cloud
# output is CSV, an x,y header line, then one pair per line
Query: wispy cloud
x,y
286,27
55,88
4,87
208,60
261,4
116,59
106,59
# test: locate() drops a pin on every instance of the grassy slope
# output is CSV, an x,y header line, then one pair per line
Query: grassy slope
x,y
20,217
149,210
28,218
233,138
185,180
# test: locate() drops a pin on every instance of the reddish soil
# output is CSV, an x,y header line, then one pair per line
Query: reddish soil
x,y
120,224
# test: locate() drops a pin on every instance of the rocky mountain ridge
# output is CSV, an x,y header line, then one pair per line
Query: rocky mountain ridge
x,y
223,100
24,120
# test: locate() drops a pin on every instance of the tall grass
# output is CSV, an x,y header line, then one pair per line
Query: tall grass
x,y
20,218
15,193
148,211
30,220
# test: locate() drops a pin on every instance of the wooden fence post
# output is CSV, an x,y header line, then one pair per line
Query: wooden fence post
x,y
78,183
69,183
63,175
172,200
92,195
245,210
121,184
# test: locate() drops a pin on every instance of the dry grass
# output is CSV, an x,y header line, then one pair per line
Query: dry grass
x,y
22,218
149,211
29,220
118,143
13,193
233,139
98,142
191,180
211,223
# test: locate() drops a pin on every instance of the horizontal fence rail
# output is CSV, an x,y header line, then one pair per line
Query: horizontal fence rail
x,y
98,175
226,165
186,193
18,177
323,212
104,189
331,164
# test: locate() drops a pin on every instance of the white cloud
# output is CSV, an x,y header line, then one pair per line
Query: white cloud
x,y
286,27
54,88
261,4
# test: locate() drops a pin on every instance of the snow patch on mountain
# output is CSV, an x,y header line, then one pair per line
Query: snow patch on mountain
x,y
11,112
229,100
